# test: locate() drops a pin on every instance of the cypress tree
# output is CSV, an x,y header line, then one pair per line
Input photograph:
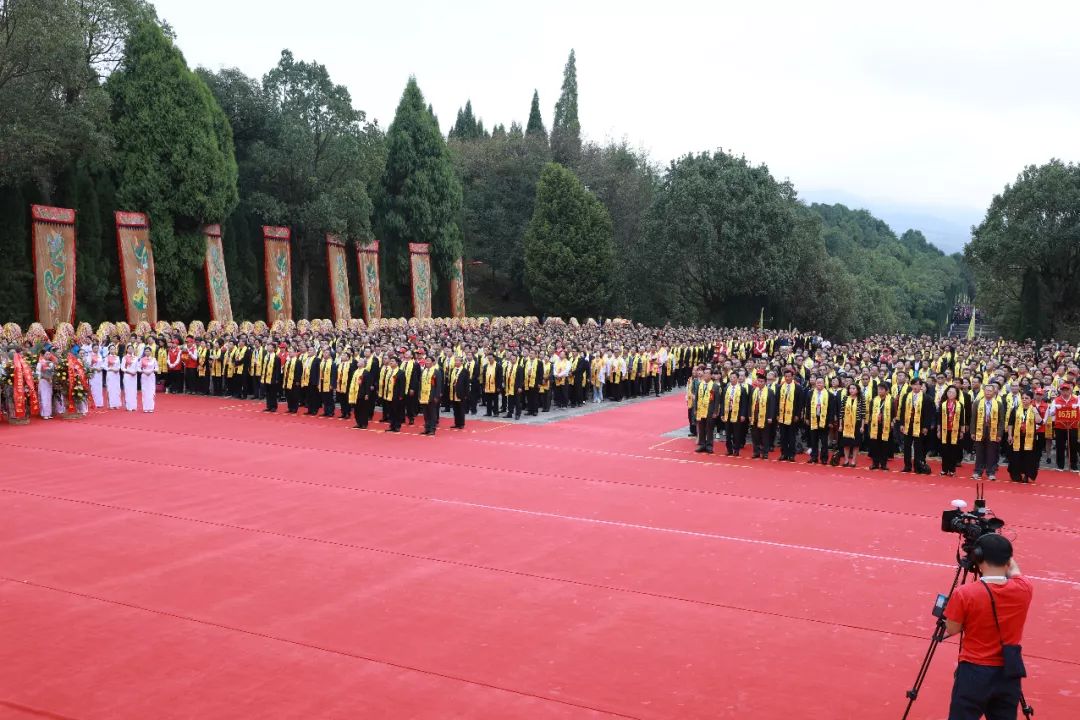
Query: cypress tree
x,y
569,247
420,199
565,128
535,126
175,161
17,277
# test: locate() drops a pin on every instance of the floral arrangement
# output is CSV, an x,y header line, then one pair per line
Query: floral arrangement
x,y
12,332
303,327
195,328
260,328
246,327
231,327
70,383
122,329
36,334
180,327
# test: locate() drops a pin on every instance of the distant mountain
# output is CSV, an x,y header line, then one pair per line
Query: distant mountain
x,y
948,228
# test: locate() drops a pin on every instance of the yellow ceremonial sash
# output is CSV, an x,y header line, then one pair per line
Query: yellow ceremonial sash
x,y
343,376
819,409
787,402
759,409
703,396
454,375
915,423
355,384
851,412
306,375
200,355
731,404
489,378
268,369
290,366
1023,423
950,436
324,375
880,418
426,377
980,418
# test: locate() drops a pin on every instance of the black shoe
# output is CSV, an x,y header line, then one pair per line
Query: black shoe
x,y
905,469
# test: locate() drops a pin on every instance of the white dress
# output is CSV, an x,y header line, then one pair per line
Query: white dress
x,y
112,380
148,367
131,393
45,396
97,380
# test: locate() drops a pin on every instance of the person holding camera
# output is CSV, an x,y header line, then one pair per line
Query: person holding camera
x,y
991,614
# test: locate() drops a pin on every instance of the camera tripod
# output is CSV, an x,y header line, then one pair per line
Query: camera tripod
x,y
964,569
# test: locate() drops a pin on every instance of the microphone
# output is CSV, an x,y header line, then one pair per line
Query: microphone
x,y
959,504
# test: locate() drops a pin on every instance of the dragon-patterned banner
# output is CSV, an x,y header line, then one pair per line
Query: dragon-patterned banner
x,y
338,271
457,290
136,267
217,284
277,263
367,259
54,265
420,270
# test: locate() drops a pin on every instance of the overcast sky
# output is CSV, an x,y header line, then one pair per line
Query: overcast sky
x,y
917,109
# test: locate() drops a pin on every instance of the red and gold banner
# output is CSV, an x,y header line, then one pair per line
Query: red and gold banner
x,y
278,266
420,270
217,284
136,267
367,260
53,237
338,271
457,290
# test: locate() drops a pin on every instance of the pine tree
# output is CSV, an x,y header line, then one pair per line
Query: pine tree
x,y
420,198
565,128
175,161
535,127
569,247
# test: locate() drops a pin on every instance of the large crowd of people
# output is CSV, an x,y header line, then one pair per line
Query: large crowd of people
x,y
794,394
993,402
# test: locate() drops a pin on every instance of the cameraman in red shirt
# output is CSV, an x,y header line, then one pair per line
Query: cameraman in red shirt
x,y
990,613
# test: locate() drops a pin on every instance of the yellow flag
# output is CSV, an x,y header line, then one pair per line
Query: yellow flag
x,y
971,326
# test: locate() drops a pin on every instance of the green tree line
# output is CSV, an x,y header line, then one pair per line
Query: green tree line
x,y
100,111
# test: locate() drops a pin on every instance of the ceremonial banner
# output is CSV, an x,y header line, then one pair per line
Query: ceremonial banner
x,y
217,284
367,260
136,267
53,235
278,266
338,271
420,270
457,290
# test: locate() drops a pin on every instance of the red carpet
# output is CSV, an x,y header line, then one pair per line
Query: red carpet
x,y
211,561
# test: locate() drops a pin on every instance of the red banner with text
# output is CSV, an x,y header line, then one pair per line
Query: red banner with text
x,y
136,267
53,235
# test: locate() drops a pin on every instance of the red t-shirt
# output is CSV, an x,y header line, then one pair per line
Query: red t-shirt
x,y
970,606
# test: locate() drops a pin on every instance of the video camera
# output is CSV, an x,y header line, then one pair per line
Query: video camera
x,y
970,526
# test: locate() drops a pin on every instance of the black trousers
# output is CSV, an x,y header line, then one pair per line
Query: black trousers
x,y
328,405
459,412
412,406
787,441
879,452
735,436
491,404
983,691
272,397
346,407
313,400
819,444
361,412
705,433
1065,440
174,381
692,419
1024,464
397,414
292,398
914,449
950,456
431,416
760,438
533,399
189,379
513,406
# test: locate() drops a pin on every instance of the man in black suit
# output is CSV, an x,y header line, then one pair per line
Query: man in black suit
x,y
396,395
458,387
429,393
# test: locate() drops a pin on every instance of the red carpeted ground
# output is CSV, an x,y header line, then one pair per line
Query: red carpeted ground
x,y
211,561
